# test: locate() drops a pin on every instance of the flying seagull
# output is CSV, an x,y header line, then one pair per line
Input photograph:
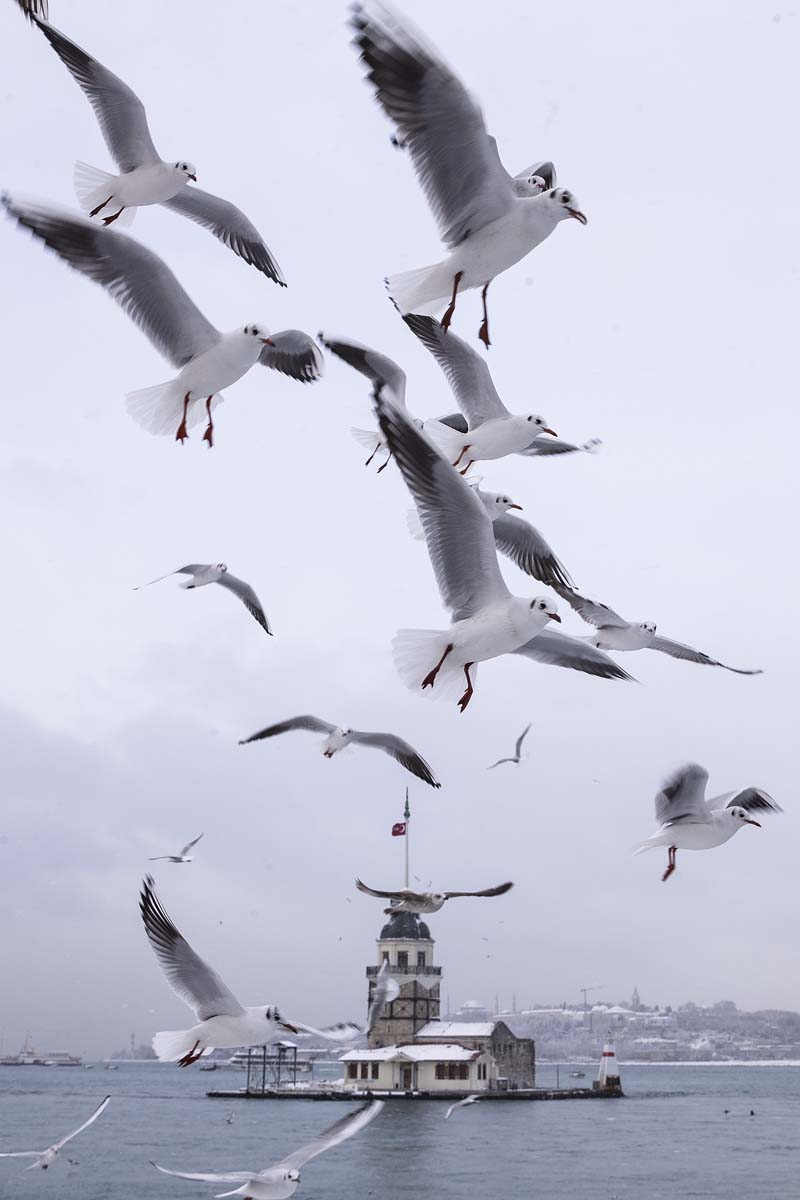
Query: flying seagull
x,y
485,218
205,573
487,621
517,757
385,991
404,900
146,178
687,821
339,736
615,633
461,1104
282,1180
45,1157
182,857
145,288
489,430
221,1019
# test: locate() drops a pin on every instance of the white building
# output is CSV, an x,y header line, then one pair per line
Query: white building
x,y
425,1068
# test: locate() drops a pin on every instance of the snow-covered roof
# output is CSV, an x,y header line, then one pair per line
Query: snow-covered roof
x,y
456,1029
445,1053
381,1054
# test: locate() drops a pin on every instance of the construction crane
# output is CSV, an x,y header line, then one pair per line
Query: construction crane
x,y
596,987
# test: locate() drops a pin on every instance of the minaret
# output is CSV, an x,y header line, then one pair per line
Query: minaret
x,y
405,942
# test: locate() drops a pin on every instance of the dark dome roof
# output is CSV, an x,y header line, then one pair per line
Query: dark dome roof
x,y
405,925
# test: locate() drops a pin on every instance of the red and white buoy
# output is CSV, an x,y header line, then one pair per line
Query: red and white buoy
x,y
608,1079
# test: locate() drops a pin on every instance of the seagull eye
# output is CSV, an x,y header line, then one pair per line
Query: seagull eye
x,y
565,199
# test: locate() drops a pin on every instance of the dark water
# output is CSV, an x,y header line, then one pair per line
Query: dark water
x,y
669,1138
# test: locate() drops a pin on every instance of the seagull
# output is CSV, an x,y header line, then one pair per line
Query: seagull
x,y
615,633
687,821
205,573
517,757
231,1117
461,1104
485,218
386,990
487,621
45,1157
282,1180
144,177
149,293
182,857
517,539
405,900
339,736
221,1020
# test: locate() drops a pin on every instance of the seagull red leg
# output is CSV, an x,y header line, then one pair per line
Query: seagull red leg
x,y
374,452
483,332
181,435
385,464
430,678
464,450
451,308
110,220
673,850
100,207
208,436
465,699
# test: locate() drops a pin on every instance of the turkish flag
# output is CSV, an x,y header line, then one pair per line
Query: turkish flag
x,y
399,829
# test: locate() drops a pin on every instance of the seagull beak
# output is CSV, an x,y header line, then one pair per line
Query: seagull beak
x,y
193,178
268,341
574,212
519,506
749,822
550,431
289,1028
554,617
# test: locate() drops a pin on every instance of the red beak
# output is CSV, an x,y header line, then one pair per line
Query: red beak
x,y
574,212
554,617
550,431
519,506
268,341
749,822
194,177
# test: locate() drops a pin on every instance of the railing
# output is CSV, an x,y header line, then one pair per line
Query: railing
x,y
409,970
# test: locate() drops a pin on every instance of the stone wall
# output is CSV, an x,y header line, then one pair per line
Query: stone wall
x,y
515,1057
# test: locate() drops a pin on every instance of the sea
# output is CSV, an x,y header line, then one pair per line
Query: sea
x,y
730,1132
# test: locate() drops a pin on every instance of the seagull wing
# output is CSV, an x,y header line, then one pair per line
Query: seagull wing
x,y
197,984
455,421
119,111
295,354
385,991
464,369
191,569
401,751
340,1131
500,890
559,650
678,650
306,722
190,845
102,1106
526,547
400,894
34,8
544,170
22,1153
500,762
682,796
591,611
230,225
140,282
546,447
753,799
248,598
457,529
441,126
383,373
521,739
231,1177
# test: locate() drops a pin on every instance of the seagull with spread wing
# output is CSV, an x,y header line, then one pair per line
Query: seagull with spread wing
x,y
44,1158
182,857
517,756
282,1180
687,821
404,900
205,573
339,736
145,288
461,1104
615,633
144,177
488,219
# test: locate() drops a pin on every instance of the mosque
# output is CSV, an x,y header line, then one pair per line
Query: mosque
x,y
411,1049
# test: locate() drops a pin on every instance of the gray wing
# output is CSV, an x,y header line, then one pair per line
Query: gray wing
x,y
34,8
678,650
102,1106
343,1129
231,1177
22,1153
500,762
753,799
457,529
500,890
385,991
560,650
541,170
230,225
546,447
682,796
197,984
142,285
401,751
119,111
592,611
190,569
304,722
441,126
399,894
295,354
521,739
248,598
455,421
526,547
381,371
464,369
190,845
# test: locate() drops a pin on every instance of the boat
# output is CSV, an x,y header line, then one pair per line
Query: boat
x,y
209,1066
578,1075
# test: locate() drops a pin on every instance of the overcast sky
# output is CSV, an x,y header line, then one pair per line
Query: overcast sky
x,y
667,327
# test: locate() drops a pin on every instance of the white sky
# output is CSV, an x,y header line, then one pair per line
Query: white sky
x,y
667,327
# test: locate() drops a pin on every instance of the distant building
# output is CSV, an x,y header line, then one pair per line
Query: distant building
x,y
515,1056
415,1067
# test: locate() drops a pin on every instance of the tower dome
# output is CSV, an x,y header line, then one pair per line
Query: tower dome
x,y
407,926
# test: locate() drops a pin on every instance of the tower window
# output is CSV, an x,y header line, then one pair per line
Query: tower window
x,y
385,956
420,958
402,958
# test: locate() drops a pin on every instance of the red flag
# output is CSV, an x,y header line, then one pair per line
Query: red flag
x,y
399,829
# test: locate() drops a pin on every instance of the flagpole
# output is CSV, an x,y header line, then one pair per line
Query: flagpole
x,y
407,815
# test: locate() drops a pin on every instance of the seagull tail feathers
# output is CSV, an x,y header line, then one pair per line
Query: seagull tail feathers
x,y
159,409
93,187
416,291
370,439
172,1044
416,653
